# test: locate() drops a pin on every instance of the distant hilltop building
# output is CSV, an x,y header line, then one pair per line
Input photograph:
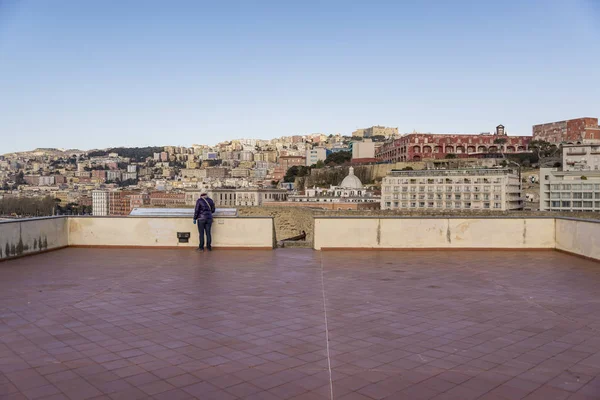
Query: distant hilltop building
x,y
569,131
420,146
375,131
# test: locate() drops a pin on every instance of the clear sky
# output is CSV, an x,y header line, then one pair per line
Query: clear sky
x,y
94,74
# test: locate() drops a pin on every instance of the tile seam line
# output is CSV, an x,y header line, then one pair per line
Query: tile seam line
x,y
326,326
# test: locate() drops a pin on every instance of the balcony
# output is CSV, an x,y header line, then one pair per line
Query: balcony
x,y
166,323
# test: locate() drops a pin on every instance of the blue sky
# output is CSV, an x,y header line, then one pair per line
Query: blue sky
x,y
94,74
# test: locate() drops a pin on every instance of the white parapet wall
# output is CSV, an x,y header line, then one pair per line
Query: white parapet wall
x,y
578,236
422,233
22,237
162,232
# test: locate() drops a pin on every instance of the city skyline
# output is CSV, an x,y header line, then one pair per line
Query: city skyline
x,y
147,74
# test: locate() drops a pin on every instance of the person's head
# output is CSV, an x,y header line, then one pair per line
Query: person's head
x,y
203,193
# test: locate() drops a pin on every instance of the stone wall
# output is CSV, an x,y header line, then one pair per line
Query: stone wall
x,y
368,174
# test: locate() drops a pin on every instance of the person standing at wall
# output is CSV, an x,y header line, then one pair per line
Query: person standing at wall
x,y
203,216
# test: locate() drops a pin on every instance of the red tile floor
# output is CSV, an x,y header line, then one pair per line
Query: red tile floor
x,y
299,324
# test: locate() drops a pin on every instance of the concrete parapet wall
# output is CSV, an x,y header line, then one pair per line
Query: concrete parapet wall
x,y
162,232
416,233
581,237
30,236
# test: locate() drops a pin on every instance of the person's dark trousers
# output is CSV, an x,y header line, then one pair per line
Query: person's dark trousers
x,y
204,225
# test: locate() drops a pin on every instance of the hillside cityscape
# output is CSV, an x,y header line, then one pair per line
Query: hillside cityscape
x,y
369,169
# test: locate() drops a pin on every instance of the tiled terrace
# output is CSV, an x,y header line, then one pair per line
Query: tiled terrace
x,y
175,324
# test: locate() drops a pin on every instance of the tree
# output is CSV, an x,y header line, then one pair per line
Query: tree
x,y
338,158
294,172
20,178
543,149
451,156
500,141
319,164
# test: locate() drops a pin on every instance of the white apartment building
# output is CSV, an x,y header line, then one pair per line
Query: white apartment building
x,y
569,190
577,186
581,157
113,175
246,197
464,189
99,203
315,154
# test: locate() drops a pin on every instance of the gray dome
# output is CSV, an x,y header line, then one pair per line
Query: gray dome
x,y
351,181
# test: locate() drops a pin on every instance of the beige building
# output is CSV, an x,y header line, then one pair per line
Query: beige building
x,y
189,174
240,173
246,197
466,189
315,154
363,150
375,131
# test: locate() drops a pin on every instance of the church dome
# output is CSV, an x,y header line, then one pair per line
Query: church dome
x,y
351,181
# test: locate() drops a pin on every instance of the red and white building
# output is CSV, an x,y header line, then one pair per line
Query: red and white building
x,y
421,146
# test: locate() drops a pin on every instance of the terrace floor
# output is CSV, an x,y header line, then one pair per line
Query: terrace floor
x,y
299,324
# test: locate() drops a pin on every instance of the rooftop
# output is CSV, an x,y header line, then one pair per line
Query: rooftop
x,y
299,324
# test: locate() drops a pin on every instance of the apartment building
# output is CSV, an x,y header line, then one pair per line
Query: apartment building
x,y
581,157
569,190
246,197
577,186
286,162
465,189
99,203
314,155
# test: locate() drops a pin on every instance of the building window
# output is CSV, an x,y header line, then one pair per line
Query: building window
x,y
555,204
497,205
588,204
422,204
568,204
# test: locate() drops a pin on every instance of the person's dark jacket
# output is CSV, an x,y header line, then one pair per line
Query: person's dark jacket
x,y
205,208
